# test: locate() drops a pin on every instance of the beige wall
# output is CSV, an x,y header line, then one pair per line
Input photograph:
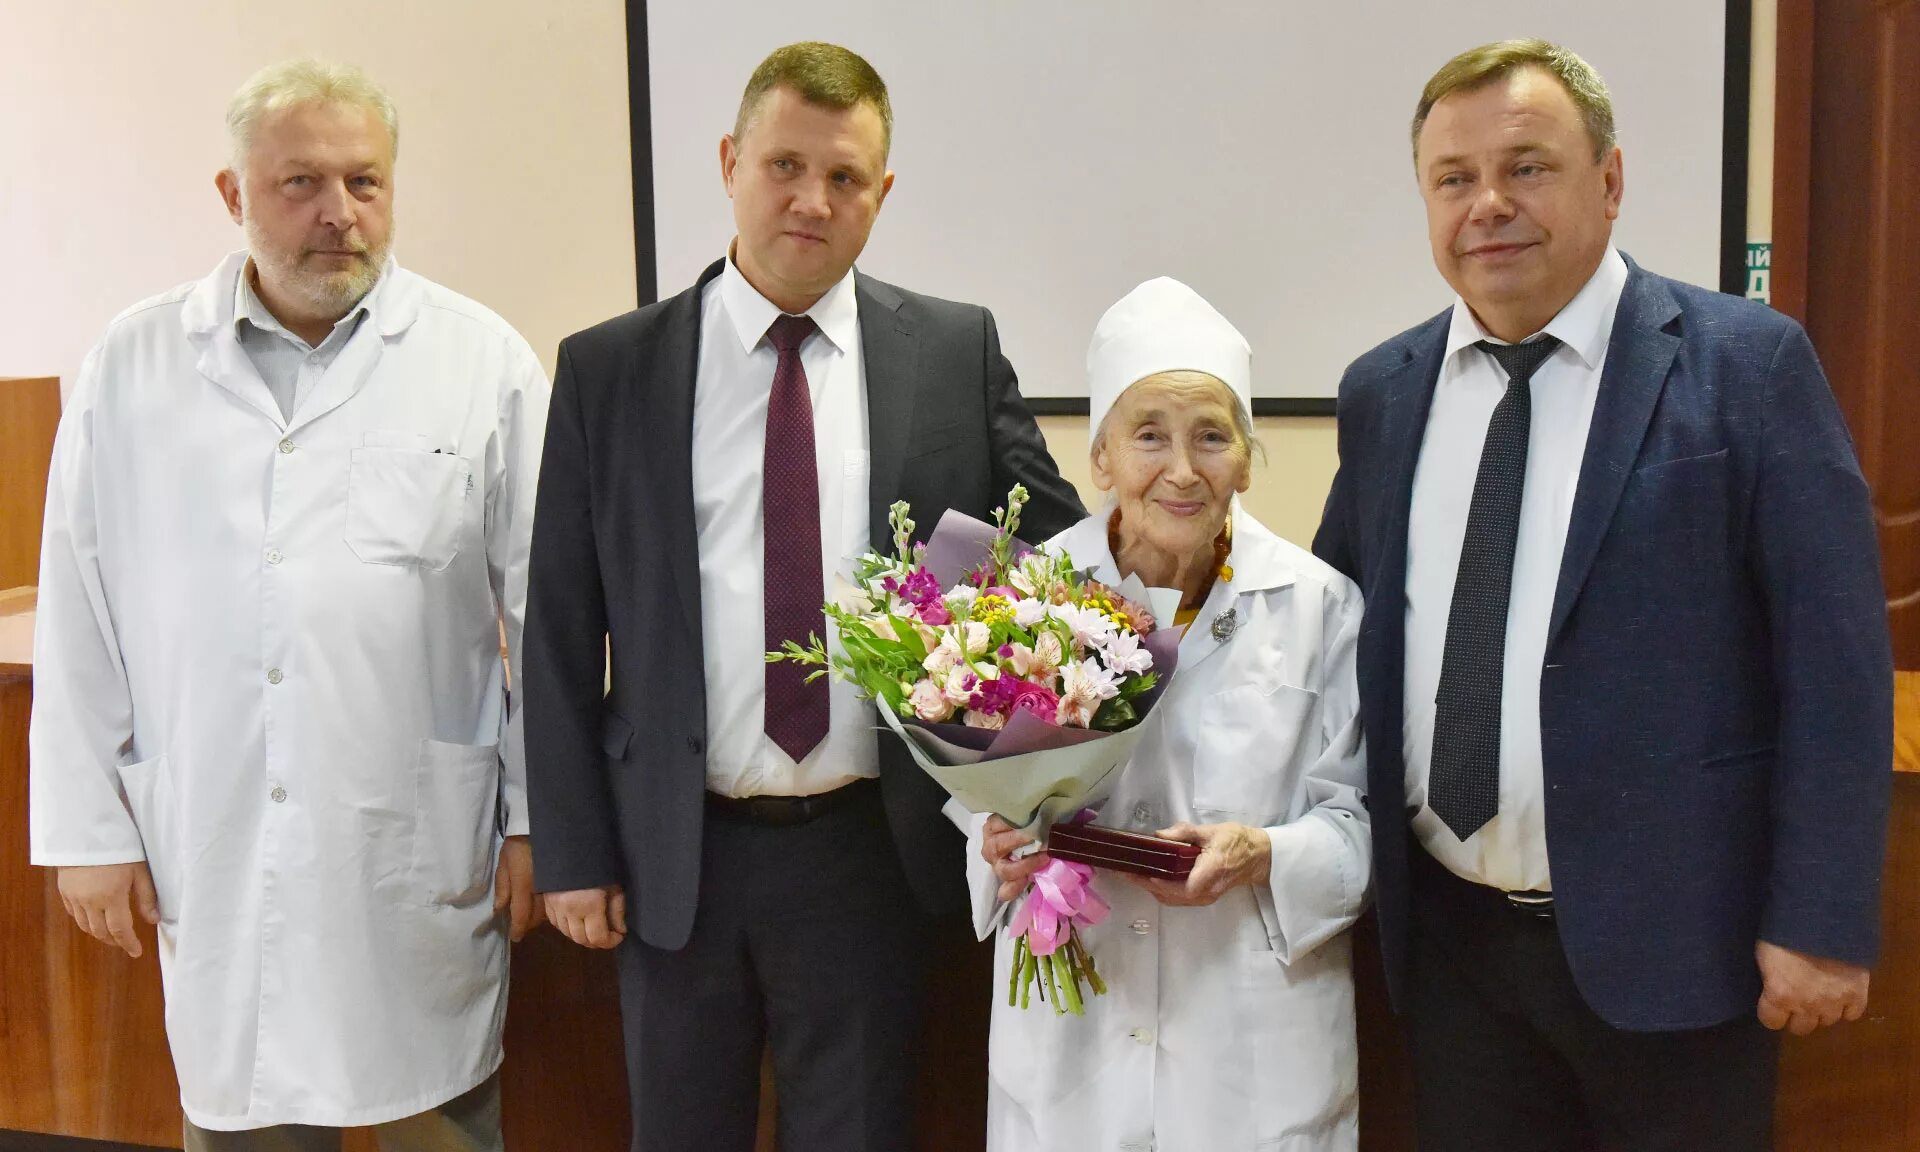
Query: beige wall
x,y
513,186
1288,490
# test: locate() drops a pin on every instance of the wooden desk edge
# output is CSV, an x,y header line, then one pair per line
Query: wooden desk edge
x,y
1906,721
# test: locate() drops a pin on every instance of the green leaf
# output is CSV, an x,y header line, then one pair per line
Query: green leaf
x,y
1115,715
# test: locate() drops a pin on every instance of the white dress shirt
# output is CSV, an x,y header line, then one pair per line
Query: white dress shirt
x,y
288,365
731,389
1509,851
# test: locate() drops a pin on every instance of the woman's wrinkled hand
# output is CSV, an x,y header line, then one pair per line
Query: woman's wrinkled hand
x,y
1232,855
999,840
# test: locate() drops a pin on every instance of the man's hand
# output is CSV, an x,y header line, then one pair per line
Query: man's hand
x,y
1803,993
101,899
1234,855
513,888
998,841
590,917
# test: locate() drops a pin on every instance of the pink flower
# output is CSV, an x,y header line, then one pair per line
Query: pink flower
x,y
1037,699
930,704
988,720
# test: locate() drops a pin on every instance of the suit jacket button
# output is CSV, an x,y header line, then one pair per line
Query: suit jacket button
x,y
696,745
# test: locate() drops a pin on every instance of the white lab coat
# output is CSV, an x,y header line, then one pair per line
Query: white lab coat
x,y
1227,1027
267,663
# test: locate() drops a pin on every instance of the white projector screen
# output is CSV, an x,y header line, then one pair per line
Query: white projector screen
x,y
1053,153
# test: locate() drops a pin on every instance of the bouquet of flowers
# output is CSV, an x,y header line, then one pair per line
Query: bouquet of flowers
x,y
1018,684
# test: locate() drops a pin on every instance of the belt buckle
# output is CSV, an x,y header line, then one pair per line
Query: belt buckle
x,y
1535,904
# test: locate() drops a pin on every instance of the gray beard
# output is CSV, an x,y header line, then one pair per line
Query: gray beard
x,y
329,293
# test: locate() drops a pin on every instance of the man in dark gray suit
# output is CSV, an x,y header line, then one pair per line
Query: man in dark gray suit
x,y
711,460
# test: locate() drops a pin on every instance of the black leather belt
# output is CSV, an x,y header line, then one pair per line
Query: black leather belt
x,y
786,811
1535,904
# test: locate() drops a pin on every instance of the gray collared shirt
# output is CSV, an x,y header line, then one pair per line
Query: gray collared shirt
x,y
287,364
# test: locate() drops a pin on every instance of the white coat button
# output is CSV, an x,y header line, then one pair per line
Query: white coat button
x,y
274,676
279,795
274,556
1142,1035
1142,927
286,446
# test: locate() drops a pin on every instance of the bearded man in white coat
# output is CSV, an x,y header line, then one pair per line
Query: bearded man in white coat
x,y
290,506
1228,1021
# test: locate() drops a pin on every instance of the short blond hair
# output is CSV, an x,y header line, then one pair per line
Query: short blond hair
x,y
306,81
1478,67
819,73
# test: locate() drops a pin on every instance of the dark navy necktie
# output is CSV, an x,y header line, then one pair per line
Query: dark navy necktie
x,y
1463,784
796,711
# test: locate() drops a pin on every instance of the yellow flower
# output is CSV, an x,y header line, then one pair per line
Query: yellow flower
x,y
991,609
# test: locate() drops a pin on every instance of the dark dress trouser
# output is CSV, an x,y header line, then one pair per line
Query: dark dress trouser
x,y
1508,1057
806,936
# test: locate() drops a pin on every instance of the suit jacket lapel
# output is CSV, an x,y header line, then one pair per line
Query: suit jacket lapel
x,y
1407,398
892,357
667,376
1639,355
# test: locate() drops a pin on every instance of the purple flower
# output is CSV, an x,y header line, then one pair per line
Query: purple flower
x,y
996,697
923,592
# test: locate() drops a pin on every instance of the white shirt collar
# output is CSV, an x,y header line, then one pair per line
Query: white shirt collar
x,y
836,313
248,306
1584,325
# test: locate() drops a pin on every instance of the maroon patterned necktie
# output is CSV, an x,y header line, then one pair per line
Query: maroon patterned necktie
x,y
796,712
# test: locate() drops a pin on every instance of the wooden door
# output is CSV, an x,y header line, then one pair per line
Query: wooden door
x,y
1846,262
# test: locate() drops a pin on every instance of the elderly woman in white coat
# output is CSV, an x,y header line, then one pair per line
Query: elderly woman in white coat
x,y
1228,1021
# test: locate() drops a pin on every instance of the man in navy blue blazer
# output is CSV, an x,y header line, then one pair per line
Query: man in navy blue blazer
x,y
1625,667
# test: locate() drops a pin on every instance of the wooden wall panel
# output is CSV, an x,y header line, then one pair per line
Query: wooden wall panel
x,y
29,414
1856,1088
81,1025
1861,271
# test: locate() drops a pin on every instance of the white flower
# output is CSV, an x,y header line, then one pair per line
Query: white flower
x,y
1020,658
1027,613
929,703
960,684
986,670
1089,626
944,656
1022,583
1083,685
1048,654
989,720
978,636
961,594
881,627
929,639
1122,653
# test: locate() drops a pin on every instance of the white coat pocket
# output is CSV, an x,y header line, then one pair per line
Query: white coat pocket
x,y
456,798
1252,734
406,506
149,791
